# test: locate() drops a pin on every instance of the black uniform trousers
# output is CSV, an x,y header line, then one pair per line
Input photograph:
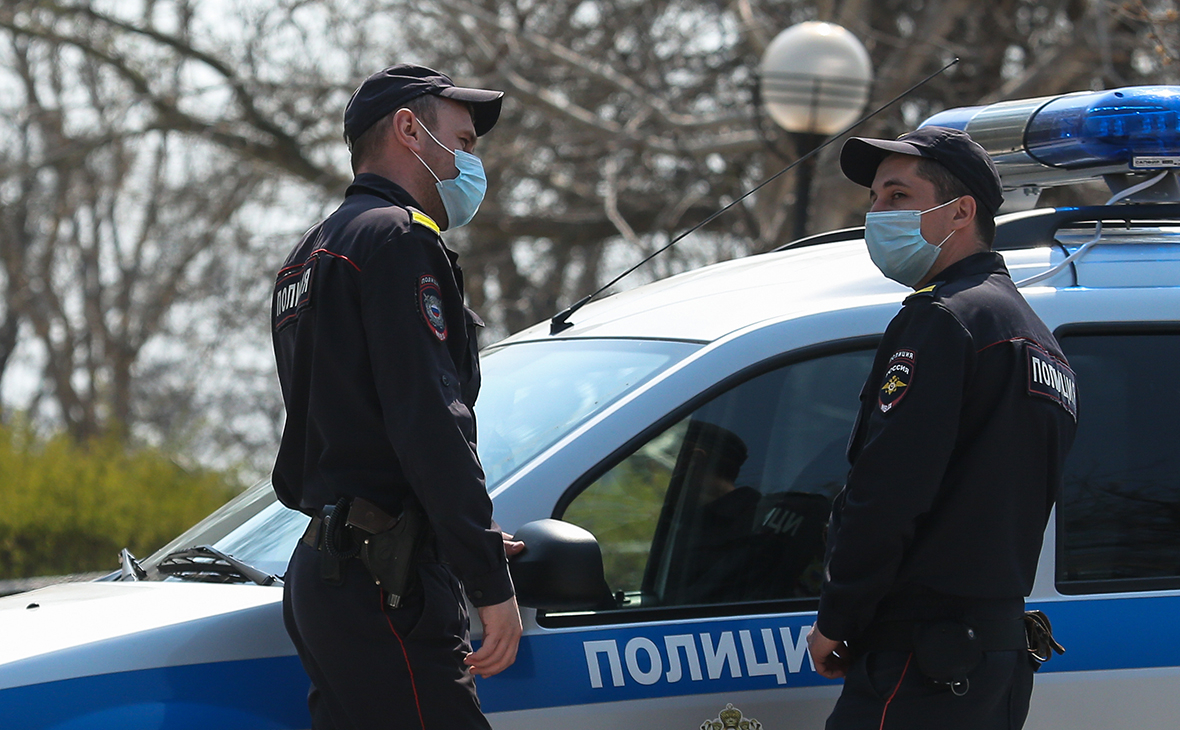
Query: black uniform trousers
x,y
884,690
373,667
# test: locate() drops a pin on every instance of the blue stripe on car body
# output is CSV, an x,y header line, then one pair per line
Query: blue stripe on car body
x,y
557,668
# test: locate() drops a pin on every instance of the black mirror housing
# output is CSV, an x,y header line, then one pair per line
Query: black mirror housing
x,y
560,568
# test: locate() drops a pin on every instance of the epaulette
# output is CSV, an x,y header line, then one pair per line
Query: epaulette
x,y
424,220
930,290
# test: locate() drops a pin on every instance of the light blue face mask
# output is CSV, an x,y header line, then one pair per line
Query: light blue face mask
x,y
894,239
461,195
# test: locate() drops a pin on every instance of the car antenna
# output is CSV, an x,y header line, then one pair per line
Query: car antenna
x,y
560,321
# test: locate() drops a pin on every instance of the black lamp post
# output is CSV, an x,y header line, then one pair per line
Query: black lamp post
x,y
815,80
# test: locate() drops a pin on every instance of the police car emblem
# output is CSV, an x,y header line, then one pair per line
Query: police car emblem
x,y
430,304
899,374
731,717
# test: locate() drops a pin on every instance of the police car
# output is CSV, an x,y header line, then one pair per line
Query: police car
x,y
667,593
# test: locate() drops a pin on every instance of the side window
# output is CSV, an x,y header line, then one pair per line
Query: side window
x,y
731,503
1118,522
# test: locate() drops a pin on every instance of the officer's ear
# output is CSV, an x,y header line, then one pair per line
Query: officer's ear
x,y
965,210
406,130
966,217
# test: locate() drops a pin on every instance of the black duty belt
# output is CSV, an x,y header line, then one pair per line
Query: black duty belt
x,y
359,513
363,514
990,635
947,651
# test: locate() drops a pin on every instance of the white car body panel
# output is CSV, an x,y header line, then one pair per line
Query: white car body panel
x,y
74,625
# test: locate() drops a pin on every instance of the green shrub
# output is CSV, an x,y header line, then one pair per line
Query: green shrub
x,y
67,507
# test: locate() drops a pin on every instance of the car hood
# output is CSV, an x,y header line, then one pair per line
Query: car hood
x,y
81,629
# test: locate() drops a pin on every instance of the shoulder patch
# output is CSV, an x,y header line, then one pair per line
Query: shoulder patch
x,y
292,293
899,376
1050,378
424,220
431,307
926,291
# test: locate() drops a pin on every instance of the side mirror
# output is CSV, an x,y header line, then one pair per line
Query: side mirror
x,y
560,568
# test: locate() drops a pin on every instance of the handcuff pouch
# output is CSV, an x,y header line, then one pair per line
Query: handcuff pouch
x,y
946,651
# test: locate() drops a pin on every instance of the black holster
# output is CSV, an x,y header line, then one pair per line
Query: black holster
x,y
389,546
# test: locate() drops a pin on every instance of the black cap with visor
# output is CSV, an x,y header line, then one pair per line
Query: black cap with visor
x,y
954,149
389,89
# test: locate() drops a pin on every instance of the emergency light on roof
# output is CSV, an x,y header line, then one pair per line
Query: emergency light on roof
x,y
1057,140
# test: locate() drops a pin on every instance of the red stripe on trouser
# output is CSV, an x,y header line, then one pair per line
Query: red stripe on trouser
x,y
413,685
894,693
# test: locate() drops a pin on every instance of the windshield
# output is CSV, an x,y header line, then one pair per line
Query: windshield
x,y
253,527
534,393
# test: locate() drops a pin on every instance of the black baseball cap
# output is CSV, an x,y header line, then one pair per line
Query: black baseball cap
x,y
954,149
389,89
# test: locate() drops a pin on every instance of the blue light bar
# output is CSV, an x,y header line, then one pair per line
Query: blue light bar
x,y
1106,128
1063,139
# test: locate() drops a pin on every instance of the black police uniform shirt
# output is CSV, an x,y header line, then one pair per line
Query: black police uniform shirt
x,y
957,453
378,363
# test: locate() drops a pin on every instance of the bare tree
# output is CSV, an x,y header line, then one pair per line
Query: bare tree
x,y
113,226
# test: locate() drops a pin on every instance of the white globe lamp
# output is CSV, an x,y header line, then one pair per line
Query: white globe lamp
x,y
815,78
814,81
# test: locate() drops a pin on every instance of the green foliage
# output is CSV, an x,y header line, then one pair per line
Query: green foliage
x,y
67,507
622,508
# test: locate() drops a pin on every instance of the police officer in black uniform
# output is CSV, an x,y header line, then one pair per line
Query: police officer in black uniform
x,y
957,453
377,357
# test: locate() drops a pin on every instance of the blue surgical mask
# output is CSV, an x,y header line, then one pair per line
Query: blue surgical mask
x,y
461,195
896,245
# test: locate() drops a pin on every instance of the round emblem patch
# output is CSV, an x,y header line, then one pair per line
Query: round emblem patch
x,y
430,304
899,375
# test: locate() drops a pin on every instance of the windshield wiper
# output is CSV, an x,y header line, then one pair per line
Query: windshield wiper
x,y
207,564
129,568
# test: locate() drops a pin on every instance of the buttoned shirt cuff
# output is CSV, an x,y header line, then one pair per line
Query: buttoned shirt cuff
x,y
490,588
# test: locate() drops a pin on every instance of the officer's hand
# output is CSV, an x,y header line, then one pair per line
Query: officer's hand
x,y
501,637
511,547
830,657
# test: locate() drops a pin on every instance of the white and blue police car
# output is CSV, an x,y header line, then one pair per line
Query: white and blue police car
x,y
650,606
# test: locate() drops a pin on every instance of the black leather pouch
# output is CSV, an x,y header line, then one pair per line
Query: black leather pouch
x,y
946,651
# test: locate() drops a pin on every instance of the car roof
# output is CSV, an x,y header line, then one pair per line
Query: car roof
x,y
821,273
708,303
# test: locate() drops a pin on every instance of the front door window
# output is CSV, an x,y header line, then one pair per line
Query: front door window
x,y
730,504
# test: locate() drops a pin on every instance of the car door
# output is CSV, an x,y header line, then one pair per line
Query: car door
x,y
1116,574
712,528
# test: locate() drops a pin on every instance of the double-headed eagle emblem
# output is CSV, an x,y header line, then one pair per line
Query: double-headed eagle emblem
x,y
731,719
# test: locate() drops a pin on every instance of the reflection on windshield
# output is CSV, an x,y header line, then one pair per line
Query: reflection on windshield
x,y
253,527
536,392
266,540
532,395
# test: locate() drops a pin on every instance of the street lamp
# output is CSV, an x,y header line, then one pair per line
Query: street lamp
x,y
815,80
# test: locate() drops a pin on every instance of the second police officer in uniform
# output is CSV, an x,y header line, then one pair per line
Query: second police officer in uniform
x,y
377,358
965,421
